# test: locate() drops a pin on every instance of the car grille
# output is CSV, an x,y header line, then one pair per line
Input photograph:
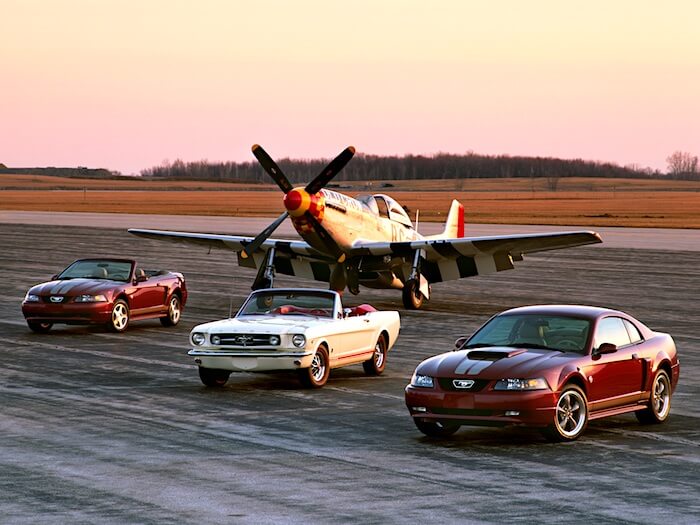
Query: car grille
x,y
47,299
246,340
447,383
475,412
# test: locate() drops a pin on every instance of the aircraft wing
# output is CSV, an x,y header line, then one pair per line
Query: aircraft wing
x,y
230,242
449,259
291,257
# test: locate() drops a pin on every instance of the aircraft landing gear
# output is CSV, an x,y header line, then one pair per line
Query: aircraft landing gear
x,y
266,274
416,288
412,298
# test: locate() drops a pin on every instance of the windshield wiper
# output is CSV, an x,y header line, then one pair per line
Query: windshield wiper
x,y
479,345
533,345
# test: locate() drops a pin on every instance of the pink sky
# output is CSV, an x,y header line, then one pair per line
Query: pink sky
x,y
127,84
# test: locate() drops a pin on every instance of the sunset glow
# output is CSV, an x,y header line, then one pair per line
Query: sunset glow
x,y
126,85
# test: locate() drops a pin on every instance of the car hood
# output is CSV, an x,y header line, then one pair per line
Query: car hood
x,y
495,362
263,324
73,287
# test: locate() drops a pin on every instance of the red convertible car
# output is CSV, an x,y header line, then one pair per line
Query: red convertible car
x,y
554,367
105,291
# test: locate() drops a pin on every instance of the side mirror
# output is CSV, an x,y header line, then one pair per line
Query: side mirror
x,y
346,312
459,343
140,278
605,348
53,277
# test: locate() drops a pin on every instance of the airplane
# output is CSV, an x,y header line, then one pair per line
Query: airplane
x,y
368,240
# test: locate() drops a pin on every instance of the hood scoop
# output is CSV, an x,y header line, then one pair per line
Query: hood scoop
x,y
494,355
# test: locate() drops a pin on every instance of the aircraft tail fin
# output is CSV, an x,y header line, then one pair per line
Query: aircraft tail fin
x,y
454,225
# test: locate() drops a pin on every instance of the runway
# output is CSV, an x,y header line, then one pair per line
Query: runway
x,y
116,428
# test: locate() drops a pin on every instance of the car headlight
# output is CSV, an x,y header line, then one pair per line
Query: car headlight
x,y
275,340
215,340
422,381
198,338
539,383
87,298
298,340
31,298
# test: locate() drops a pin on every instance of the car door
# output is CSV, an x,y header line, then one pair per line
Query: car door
x,y
147,296
353,338
614,379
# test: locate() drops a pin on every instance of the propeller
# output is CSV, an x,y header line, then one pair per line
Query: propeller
x,y
297,200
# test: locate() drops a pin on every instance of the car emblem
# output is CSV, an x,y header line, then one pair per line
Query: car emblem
x,y
243,340
56,298
463,383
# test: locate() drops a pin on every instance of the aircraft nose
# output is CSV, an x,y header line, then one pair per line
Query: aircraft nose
x,y
297,202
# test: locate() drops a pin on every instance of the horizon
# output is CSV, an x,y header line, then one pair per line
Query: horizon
x,y
127,86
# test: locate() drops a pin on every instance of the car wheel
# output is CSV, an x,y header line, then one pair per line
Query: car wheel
x,y
375,365
119,319
436,429
39,328
570,415
659,403
213,377
412,298
174,312
317,374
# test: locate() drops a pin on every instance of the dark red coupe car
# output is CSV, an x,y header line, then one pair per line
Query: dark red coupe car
x,y
105,291
554,367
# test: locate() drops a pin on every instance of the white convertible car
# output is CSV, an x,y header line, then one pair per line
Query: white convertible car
x,y
294,329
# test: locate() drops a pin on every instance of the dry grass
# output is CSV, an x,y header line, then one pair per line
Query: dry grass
x,y
596,202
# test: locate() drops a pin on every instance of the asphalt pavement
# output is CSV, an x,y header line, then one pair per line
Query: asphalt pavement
x,y
97,427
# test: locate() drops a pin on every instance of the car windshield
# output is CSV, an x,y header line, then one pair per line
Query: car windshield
x,y
97,269
554,332
316,304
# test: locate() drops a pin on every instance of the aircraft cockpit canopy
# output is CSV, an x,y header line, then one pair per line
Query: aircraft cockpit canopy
x,y
386,207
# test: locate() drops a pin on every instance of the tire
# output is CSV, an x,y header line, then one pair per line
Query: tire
x,y
213,377
436,429
412,298
174,312
38,327
659,403
570,416
375,365
119,319
317,374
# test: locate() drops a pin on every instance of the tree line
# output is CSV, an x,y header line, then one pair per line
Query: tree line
x,y
409,167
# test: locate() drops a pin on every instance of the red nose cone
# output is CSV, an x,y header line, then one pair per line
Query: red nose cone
x,y
292,200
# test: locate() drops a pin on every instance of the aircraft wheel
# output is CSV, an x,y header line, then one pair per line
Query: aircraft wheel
x,y
412,298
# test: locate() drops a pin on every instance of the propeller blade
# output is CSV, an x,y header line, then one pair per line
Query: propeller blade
x,y
326,238
272,169
330,171
262,236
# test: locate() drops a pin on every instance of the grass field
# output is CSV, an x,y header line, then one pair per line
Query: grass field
x,y
577,201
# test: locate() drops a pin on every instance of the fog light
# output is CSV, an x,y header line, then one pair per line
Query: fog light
x,y
512,413
419,409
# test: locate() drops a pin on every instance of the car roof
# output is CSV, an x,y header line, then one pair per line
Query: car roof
x,y
574,310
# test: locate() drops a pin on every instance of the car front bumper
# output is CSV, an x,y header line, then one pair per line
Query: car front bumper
x,y
485,408
68,313
252,361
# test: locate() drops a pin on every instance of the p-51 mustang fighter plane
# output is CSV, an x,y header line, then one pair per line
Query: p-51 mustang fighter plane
x,y
368,240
